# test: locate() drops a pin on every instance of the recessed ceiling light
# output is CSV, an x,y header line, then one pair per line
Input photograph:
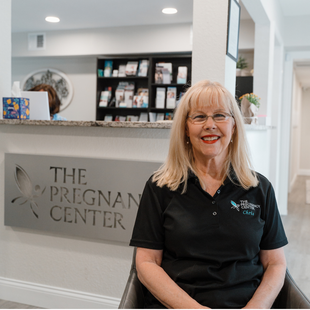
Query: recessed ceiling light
x,y
169,11
52,19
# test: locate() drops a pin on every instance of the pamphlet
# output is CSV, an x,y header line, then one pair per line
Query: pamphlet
x,y
128,97
143,117
152,117
160,97
182,75
167,67
108,67
108,118
160,117
131,68
171,97
121,70
105,97
143,67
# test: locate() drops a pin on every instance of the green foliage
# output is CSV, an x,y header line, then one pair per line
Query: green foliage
x,y
241,63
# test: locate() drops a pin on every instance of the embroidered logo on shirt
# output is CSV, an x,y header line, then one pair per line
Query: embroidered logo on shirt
x,y
247,207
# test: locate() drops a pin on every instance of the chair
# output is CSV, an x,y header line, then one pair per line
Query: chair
x,y
133,296
290,296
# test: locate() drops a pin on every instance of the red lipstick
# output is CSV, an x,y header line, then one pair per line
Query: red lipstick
x,y
210,139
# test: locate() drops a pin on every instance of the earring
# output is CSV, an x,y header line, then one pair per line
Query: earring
x,y
231,141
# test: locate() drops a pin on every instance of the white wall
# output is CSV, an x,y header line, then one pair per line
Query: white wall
x,y
247,34
304,134
209,60
295,32
276,109
114,40
81,71
121,40
295,131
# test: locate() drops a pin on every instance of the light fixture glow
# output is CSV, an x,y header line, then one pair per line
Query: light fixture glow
x,y
52,19
169,11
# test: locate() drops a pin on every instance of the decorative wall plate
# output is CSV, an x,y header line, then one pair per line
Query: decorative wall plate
x,y
55,78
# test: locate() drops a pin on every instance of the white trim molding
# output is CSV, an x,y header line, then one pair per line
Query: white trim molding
x,y
53,297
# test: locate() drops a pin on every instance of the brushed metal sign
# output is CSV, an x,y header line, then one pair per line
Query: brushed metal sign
x,y
85,197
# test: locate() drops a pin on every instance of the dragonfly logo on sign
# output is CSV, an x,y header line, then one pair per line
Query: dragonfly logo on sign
x,y
25,186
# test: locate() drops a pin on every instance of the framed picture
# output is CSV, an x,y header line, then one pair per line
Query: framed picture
x,y
233,29
55,78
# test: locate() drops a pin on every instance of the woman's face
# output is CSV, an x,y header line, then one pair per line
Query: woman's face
x,y
210,140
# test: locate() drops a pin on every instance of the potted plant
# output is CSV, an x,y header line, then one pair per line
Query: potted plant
x,y
241,64
250,104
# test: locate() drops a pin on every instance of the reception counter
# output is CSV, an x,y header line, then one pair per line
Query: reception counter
x,y
157,125
51,270
75,272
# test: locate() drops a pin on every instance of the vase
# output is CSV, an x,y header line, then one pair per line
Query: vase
x,y
249,111
251,120
238,72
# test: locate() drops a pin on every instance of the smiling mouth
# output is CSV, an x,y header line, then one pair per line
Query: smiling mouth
x,y
214,138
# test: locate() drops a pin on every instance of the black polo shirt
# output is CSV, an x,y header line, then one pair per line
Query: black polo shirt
x,y
210,244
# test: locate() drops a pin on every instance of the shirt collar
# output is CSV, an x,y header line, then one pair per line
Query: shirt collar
x,y
232,176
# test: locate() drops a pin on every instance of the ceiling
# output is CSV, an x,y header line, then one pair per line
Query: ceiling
x,y
29,15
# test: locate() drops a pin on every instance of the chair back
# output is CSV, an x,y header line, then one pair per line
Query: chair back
x,y
133,296
290,296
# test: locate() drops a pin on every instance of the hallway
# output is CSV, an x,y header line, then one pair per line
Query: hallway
x,y
297,227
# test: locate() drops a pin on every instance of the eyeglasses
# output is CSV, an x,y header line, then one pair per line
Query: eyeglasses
x,y
200,118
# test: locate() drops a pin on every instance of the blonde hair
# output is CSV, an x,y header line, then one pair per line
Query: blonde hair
x,y
180,159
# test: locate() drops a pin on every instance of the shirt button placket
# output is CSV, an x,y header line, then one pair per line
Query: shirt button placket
x,y
215,213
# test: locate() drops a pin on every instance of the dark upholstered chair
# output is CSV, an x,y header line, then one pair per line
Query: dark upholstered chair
x,y
290,297
133,296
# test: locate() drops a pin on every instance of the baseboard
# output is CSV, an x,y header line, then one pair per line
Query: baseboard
x,y
44,296
304,172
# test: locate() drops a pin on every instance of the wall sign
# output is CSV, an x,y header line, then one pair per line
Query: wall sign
x,y
55,78
91,198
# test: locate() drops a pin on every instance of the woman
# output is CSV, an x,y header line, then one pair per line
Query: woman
x,y
54,102
208,230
